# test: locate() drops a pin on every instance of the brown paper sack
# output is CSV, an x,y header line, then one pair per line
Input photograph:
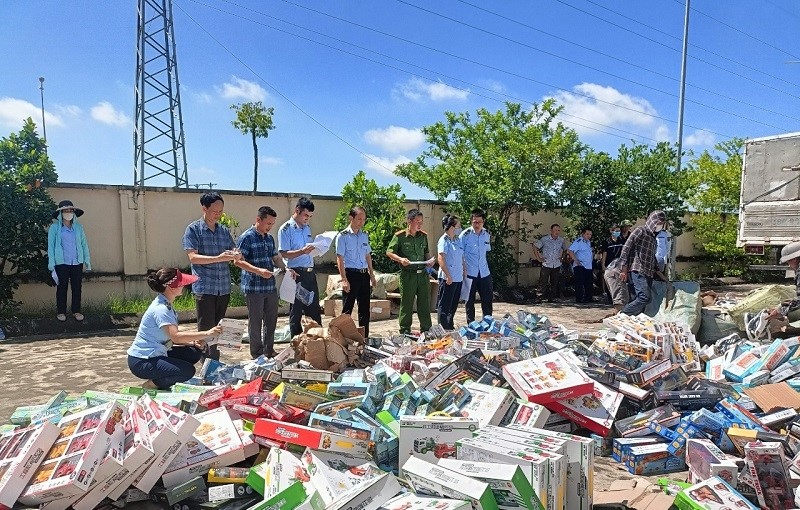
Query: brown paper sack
x,y
347,327
314,353
335,352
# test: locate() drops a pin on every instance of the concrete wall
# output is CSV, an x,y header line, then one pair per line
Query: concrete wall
x,y
130,231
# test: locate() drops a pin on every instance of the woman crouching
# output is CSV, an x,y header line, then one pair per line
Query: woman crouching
x,y
160,353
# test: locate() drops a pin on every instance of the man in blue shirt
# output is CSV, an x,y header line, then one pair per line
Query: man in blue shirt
x,y
582,257
259,259
354,260
477,243
294,244
209,246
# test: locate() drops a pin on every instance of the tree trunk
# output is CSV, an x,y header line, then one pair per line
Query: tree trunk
x,y
255,163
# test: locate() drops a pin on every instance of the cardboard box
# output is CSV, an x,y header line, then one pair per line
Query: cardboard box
x,y
432,437
488,404
436,480
288,499
279,472
509,485
21,453
547,378
309,437
636,494
653,459
138,454
765,461
369,495
621,445
109,466
637,426
529,415
770,397
713,494
706,460
410,501
180,492
214,442
84,439
332,474
595,411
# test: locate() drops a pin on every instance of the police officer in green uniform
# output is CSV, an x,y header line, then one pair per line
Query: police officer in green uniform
x,y
409,248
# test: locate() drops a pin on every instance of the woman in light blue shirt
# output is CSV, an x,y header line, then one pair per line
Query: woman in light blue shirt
x,y
67,255
452,270
160,353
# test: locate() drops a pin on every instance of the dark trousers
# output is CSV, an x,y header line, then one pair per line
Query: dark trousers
x,y
360,291
584,284
262,317
639,288
483,286
308,280
548,281
69,275
414,284
210,310
177,366
447,303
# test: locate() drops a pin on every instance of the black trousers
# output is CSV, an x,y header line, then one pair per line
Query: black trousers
x,y
583,284
308,280
483,286
210,310
69,275
447,303
360,291
548,281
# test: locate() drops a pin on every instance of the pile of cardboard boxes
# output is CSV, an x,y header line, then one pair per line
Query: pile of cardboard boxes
x,y
505,413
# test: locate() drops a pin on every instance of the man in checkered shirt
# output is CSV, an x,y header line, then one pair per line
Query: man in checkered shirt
x,y
638,262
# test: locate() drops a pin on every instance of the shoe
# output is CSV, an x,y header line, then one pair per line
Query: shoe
x,y
78,316
271,354
61,317
149,385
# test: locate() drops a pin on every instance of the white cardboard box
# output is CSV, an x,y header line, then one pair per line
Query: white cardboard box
x,y
488,404
547,378
369,495
432,437
510,487
428,478
281,470
334,473
410,501
21,453
529,415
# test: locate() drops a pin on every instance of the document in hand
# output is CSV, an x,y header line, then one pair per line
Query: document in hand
x,y
288,289
322,243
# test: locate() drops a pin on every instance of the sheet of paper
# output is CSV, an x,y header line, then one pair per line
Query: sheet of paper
x,y
288,289
322,243
55,276
423,262
465,286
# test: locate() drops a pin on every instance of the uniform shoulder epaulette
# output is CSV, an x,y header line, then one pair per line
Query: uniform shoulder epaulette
x,y
400,232
285,226
343,231
423,232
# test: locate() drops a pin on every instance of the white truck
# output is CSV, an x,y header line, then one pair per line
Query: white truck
x,y
769,205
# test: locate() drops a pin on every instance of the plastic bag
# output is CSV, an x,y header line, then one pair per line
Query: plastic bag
x,y
304,295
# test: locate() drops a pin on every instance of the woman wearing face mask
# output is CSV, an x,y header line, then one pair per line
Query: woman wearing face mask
x,y
67,254
160,353
452,270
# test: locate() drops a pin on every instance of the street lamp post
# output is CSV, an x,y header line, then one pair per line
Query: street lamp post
x,y
44,127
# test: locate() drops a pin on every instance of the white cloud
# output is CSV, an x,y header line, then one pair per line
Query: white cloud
x,y
270,161
14,111
69,110
395,139
105,113
700,138
417,89
202,97
383,165
245,90
590,107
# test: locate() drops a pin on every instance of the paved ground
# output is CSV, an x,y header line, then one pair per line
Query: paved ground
x,y
35,368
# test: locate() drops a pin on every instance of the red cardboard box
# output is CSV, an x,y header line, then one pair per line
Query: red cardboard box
x,y
548,378
595,411
309,437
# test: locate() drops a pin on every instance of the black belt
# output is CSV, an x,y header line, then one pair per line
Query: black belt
x,y
351,270
302,269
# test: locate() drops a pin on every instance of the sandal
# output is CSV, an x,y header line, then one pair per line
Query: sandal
x,y
61,317
149,385
78,316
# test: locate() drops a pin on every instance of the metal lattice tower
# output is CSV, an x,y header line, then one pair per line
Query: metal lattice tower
x,y
158,132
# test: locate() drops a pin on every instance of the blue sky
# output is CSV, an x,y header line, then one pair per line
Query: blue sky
x,y
353,81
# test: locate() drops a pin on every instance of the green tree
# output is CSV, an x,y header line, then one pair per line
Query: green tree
x,y
233,225
255,120
385,214
606,190
504,162
26,208
715,183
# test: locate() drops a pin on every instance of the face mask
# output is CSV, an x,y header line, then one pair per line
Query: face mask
x,y
658,228
458,231
68,216
615,234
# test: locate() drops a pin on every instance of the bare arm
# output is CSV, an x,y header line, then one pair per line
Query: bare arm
x,y
196,258
195,338
293,254
443,265
342,273
250,268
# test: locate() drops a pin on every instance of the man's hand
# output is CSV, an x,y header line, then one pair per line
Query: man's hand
x,y
623,275
265,273
345,285
308,249
404,262
430,263
372,281
448,280
292,273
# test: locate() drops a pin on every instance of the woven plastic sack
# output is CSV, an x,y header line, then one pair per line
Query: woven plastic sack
x,y
682,304
767,297
714,325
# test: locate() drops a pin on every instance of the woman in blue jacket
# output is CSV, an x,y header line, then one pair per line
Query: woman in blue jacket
x,y
67,254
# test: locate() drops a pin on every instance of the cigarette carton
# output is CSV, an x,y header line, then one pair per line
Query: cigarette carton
x,y
214,442
594,411
508,483
21,453
439,481
765,461
432,437
488,403
742,366
72,462
547,378
649,372
309,437
410,501
712,494
352,429
621,445
306,374
638,425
